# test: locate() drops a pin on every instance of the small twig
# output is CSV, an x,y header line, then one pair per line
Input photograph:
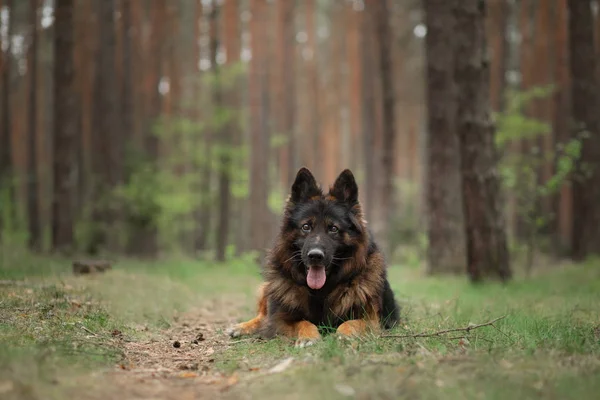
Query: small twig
x,y
88,331
439,333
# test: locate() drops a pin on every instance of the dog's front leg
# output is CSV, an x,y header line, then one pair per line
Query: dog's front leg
x,y
358,327
305,332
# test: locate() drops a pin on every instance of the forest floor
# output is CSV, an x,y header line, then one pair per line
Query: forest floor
x,y
156,331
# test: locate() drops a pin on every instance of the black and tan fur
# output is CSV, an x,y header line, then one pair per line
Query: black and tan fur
x,y
356,297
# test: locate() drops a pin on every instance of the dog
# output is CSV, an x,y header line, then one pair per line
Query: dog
x,y
324,270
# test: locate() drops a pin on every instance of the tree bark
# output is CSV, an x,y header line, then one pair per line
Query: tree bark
x,y
127,99
384,37
286,44
369,126
497,27
260,221
33,216
106,157
487,250
560,123
65,127
586,125
6,146
226,134
446,251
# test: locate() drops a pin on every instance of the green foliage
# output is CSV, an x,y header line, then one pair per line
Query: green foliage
x,y
165,194
520,169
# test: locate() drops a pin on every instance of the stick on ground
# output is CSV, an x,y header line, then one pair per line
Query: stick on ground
x,y
439,333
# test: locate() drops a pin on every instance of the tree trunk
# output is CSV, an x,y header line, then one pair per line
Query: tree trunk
x,y
260,221
370,197
225,135
560,128
354,61
202,211
446,252
33,217
65,127
497,26
487,250
314,100
106,156
286,44
384,38
6,161
127,102
585,102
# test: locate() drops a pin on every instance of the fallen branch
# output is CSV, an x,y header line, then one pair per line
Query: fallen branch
x,y
440,333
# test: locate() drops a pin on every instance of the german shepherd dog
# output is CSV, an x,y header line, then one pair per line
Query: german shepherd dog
x,y
324,270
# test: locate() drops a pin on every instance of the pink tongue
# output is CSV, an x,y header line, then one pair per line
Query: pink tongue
x,y
316,277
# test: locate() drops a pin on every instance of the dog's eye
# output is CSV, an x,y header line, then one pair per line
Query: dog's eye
x,y
333,229
306,228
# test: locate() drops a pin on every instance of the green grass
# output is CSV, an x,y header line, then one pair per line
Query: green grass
x,y
548,344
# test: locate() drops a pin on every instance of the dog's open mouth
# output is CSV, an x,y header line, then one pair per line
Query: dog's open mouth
x,y
315,278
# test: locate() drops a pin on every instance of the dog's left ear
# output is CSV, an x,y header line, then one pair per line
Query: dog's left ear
x,y
345,188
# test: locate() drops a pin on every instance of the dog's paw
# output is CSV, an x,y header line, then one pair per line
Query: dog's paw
x,y
305,342
235,331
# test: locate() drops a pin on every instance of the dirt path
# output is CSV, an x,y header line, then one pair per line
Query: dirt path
x,y
177,363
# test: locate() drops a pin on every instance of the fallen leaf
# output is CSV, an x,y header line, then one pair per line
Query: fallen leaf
x,y
282,366
344,390
189,375
253,369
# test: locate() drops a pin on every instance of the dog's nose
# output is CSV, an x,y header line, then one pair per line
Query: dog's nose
x,y
316,255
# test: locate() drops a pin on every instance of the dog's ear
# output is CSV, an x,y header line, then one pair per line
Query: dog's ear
x,y
345,188
305,186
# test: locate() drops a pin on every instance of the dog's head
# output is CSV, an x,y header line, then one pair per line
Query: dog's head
x,y
323,230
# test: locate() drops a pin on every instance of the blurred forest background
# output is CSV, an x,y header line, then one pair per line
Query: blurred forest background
x,y
153,127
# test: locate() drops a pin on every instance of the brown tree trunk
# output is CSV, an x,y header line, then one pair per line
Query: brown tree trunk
x,y
127,99
585,103
355,98
314,101
543,107
562,111
487,249
369,127
33,217
106,156
260,221
231,36
65,127
383,38
286,40
202,212
497,26
6,157
446,252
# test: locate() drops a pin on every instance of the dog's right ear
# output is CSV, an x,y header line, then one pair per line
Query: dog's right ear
x,y
305,186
